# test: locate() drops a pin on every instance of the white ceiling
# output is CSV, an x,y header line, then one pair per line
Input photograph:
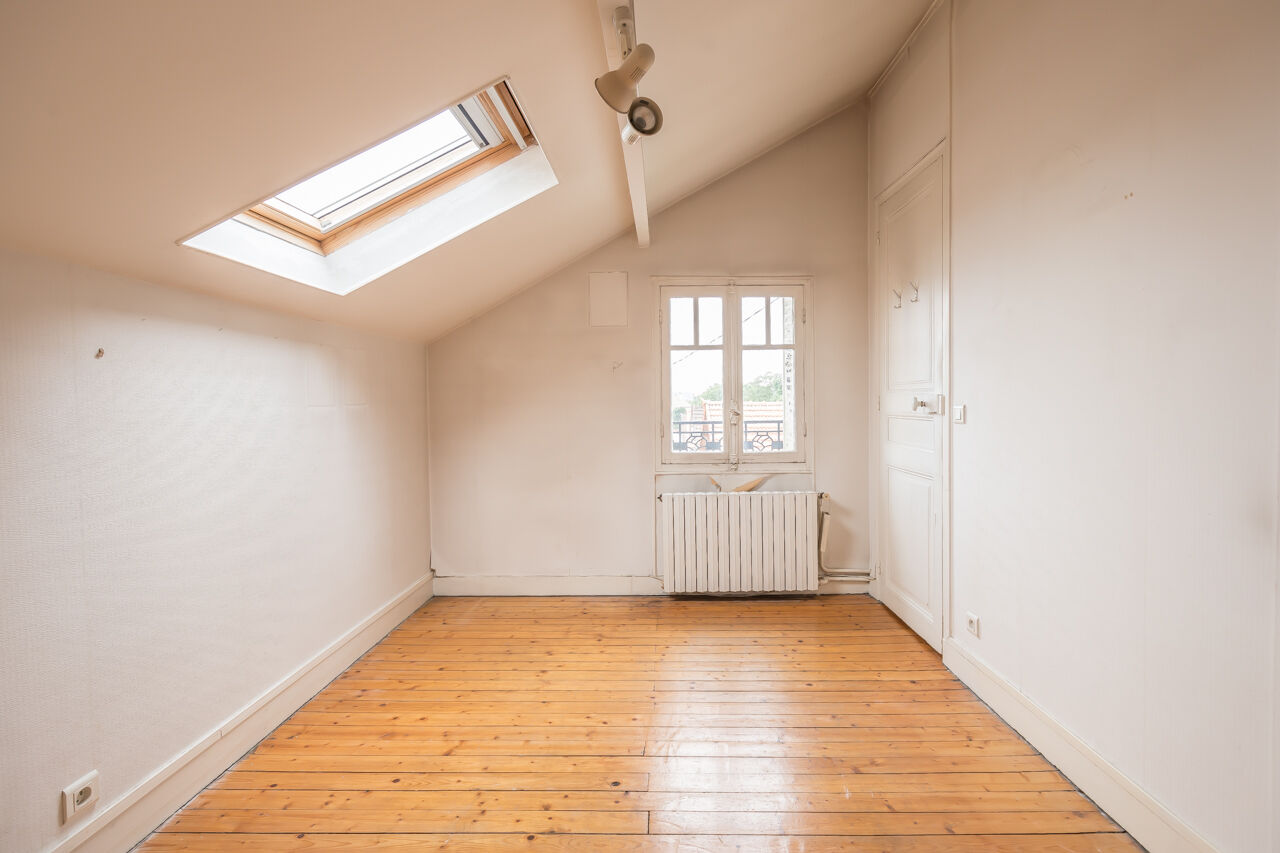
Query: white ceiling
x,y
131,124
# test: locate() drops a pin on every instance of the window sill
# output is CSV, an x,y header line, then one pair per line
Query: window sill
x,y
741,468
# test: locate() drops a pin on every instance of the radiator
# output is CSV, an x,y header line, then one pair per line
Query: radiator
x,y
739,542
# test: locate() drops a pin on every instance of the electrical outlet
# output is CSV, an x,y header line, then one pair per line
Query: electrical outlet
x,y
79,796
974,625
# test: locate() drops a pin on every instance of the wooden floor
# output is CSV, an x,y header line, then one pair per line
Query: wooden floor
x,y
610,724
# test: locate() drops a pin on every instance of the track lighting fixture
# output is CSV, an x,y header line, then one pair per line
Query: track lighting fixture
x,y
618,87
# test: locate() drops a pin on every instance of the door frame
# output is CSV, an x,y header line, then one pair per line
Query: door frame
x,y
942,152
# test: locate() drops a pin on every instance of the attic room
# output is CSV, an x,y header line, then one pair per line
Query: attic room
x,y
591,425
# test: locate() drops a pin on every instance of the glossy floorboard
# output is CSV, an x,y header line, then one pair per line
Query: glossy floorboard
x,y
637,724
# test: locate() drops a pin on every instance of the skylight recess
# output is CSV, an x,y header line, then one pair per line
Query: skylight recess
x,y
327,210
381,207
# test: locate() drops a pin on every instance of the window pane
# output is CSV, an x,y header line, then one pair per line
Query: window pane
x,y
681,321
710,321
697,401
782,320
432,139
753,320
768,401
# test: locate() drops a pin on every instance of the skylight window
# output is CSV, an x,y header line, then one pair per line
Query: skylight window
x,y
479,132
353,186
445,155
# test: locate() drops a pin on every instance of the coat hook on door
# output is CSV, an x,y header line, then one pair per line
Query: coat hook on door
x,y
897,293
915,297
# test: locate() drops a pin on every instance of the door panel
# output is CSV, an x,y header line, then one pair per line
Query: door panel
x,y
909,287
913,432
910,505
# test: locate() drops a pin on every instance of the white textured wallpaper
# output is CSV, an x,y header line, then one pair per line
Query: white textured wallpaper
x,y
183,520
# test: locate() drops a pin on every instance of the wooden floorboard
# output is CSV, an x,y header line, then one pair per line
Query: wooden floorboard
x,y
644,724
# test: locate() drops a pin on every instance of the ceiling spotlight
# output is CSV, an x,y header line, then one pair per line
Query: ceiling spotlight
x,y
643,119
618,87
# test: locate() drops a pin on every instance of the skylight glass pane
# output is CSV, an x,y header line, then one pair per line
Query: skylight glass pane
x,y
439,138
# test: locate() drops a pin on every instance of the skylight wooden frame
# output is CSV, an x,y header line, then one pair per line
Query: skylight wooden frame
x,y
514,136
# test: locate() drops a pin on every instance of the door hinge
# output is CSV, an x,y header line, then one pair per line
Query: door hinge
x,y
662,430
659,316
877,238
877,402
805,428
804,315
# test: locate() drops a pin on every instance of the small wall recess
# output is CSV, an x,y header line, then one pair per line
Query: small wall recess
x,y
79,796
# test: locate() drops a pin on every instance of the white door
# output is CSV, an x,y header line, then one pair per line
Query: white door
x,y
909,272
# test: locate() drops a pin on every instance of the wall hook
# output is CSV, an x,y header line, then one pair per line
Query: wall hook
x,y
915,297
897,293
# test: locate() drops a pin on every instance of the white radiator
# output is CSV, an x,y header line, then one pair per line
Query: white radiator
x,y
739,541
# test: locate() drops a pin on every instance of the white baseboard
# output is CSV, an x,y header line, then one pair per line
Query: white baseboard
x,y
584,585
547,585
140,810
1153,825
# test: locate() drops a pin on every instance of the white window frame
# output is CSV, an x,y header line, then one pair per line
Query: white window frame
x,y
732,456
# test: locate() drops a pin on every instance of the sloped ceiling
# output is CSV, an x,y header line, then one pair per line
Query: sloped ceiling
x,y
131,124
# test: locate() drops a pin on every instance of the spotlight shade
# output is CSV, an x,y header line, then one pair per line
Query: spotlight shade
x,y
618,87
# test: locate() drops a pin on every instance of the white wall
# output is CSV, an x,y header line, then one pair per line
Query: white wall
x,y
542,430
184,521
910,107
1115,203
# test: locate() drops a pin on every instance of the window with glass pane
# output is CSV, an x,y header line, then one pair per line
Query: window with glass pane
x,y
696,406
348,189
768,374
733,375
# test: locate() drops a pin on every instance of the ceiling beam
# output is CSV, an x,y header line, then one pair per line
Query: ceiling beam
x,y
632,155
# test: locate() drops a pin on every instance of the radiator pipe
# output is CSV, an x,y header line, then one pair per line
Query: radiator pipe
x,y
824,571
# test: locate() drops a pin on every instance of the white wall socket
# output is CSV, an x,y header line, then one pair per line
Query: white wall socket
x,y
974,625
79,796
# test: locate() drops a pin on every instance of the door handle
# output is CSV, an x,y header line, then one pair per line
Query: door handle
x,y
937,407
